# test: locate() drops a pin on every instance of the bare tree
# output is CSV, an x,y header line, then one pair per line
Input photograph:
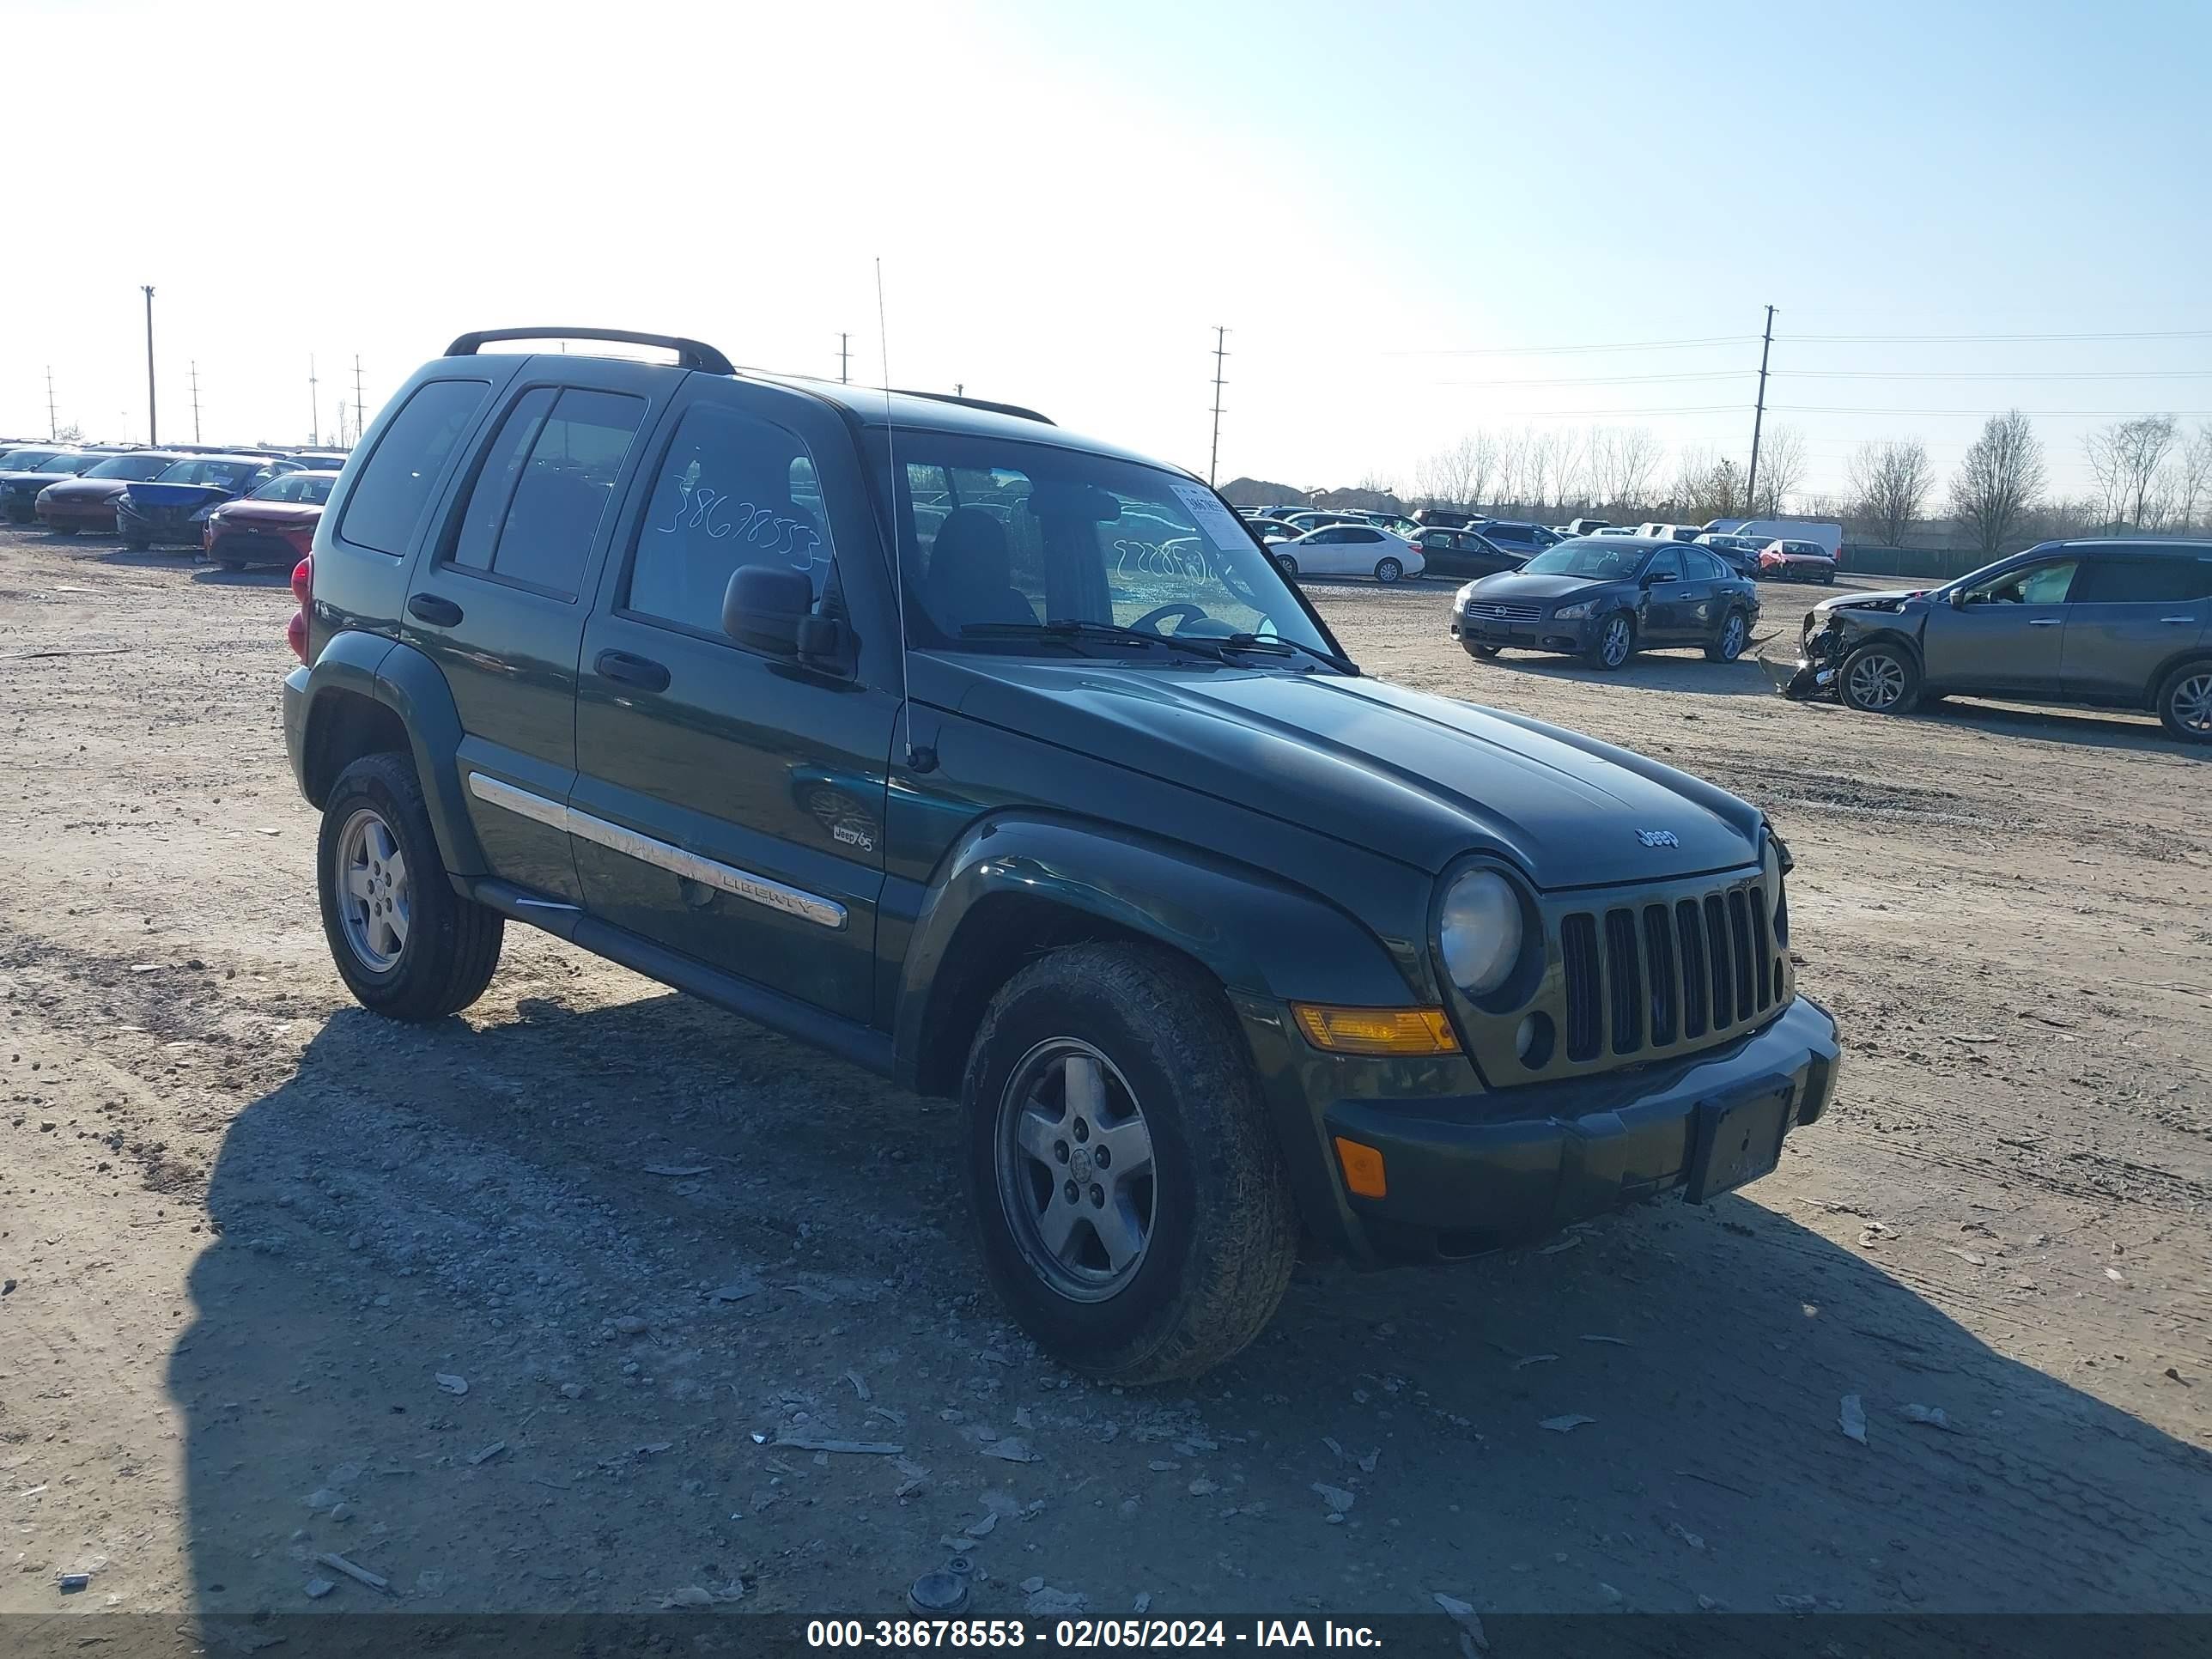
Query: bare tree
x,y
2191,486
1481,466
2128,459
1890,482
1781,469
1625,459
1442,478
1999,482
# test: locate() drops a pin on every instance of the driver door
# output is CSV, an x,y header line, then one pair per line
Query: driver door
x,y
1667,599
2005,635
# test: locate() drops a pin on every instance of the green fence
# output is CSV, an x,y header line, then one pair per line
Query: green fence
x,y
1934,563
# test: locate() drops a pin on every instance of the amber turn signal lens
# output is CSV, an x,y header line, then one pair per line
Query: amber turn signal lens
x,y
1375,1030
1363,1169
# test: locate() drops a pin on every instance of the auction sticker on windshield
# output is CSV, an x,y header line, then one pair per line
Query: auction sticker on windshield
x,y
1219,523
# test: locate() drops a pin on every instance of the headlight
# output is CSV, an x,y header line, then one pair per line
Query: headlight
x,y
1574,612
1466,593
1479,931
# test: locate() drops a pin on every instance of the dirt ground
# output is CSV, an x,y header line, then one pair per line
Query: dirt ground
x,y
257,1243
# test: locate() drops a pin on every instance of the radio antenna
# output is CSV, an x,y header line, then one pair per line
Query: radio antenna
x,y
899,566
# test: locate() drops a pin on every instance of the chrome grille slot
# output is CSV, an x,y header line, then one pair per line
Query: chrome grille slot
x,y
1585,1007
1659,966
1740,939
1691,927
1721,959
1623,979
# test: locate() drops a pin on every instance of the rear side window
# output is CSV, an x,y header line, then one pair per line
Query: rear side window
x,y
389,498
1703,566
2143,581
535,506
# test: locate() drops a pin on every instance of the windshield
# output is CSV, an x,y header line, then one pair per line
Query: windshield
x,y
309,487
1595,560
223,474
997,532
138,468
54,463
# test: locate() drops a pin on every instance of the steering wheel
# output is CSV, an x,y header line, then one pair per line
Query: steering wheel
x,y
1182,611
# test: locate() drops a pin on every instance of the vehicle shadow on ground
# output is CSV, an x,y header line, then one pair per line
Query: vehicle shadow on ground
x,y
258,575
1652,1405
2088,728
1657,670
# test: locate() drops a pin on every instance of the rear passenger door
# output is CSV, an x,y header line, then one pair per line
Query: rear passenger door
x,y
2129,616
1701,593
730,804
501,588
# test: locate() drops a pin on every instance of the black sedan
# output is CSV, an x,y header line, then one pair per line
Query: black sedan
x,y
1607,597
1463,553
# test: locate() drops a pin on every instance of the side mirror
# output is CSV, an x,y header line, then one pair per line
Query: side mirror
x,y
1957,596
771,608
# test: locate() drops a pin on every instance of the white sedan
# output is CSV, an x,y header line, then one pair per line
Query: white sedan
x,y
1348,550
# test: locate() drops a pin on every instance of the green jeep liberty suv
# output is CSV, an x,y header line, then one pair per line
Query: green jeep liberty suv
x,y
1006,765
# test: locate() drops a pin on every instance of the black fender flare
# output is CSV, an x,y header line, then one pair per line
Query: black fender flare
x,y
410,685
1261,936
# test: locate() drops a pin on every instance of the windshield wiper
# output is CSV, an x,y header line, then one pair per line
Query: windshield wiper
x,y
1072,628
1276,642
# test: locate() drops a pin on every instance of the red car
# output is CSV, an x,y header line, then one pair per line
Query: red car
x,y
276,525
87,500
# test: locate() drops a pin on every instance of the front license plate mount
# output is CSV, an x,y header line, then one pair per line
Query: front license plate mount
x,y
1738,1140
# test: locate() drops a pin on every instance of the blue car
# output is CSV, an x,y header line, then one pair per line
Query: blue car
x,y
172,507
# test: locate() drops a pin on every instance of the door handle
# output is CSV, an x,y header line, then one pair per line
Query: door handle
x,y
2177,619
633,671
429,607
2044,621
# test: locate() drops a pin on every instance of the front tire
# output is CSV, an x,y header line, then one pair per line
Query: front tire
x,y
1485,652
136,545
2185,703
1287,565
1129,1196
1735,633
1388,571
1878,679
407,945
64,530
1616,642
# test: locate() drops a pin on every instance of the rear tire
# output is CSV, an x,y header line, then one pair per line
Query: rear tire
x,y
1878,679
407,945
2184,701
1735,633
1615,643
1388,571
232,564
1206,1235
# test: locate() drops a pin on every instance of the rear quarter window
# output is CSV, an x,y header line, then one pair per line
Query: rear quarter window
x,y
394,488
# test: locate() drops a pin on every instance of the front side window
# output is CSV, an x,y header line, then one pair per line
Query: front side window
x,y
389,498
535,507
1011,533
733,489
1666,566
2034,584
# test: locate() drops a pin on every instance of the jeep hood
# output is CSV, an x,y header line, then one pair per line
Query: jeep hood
x,y
1417,777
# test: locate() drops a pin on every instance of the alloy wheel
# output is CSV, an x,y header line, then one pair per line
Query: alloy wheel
x,y
2192,704
1732,638
372,894
1074,1159
1616,646
1877,681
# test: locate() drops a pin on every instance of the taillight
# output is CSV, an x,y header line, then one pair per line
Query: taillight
x,y
295,635
303,579
303,584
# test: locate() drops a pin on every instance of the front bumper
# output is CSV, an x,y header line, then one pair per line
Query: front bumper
x,y
250,546
98,516
1486,1171
1542,634
167,526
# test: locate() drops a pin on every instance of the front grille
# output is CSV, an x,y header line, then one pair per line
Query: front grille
x,y
1645,977
1497,611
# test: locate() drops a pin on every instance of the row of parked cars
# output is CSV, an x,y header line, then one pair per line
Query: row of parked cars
x,y
239,507
1439,541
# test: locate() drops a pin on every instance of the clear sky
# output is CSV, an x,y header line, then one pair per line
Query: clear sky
x,y
1066,197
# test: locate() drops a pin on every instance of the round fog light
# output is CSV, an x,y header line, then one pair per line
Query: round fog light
x,y
1532,1041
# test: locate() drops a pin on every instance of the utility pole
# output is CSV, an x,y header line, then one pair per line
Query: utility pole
x,y
152,435
1221,351
314,407
357,397
194,366
844,359
1758,419
53,422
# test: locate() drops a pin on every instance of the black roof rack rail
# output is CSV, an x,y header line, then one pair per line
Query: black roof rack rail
x,y
690,354
1014,410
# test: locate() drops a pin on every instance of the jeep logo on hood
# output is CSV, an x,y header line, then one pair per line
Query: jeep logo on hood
x,y
1658,838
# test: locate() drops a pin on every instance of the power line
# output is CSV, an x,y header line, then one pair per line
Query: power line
x,y
1555,351
1615,380
1977,414
1978,339
1996,375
